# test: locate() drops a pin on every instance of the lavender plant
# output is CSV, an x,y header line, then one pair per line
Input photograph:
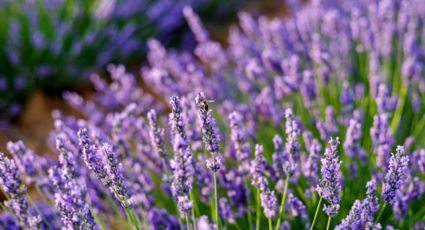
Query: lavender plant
x,y
272,108
54,44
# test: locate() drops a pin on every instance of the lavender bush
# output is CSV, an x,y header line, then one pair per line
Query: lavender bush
x,y
315,121
52,44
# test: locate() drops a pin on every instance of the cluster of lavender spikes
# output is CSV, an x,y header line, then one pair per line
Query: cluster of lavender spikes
x,y
282,89
52,33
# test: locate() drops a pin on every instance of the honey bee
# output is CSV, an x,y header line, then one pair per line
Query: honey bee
x,y
204,105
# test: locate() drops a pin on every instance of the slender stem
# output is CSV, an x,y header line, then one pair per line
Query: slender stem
x,y
270,224
329,223
131,214
216,201
282,204
5,194
399,112
249,213
237,225
192,197
257,222
380,212
187,221
315,214
39,212
44,196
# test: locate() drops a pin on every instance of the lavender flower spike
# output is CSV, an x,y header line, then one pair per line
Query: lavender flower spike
x,y
210,133
114,174
257,170
156,135
69,194
103,162
330,187
183,175
91,158
361,213
12,185
396,175
29,164
176,119
269,203
267,197
238,136
292,131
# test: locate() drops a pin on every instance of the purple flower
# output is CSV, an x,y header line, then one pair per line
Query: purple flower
x,y
226,211
114,174
192,130
297,208
283,164
91,158
268,197
69,194
292,131
331,124
210,133
396,175
347,97
238,136
156,135
352,141
269,203
29,164
258,168
356,219
371,200
382,140
310,167
195,24
183,175
384,101
104,164
330,187
361,213
12,185
204,224
161,219
176,119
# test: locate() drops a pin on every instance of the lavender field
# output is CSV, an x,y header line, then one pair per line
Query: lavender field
x,y
312,120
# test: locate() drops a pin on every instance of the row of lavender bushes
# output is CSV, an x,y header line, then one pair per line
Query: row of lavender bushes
x,y
54,44
315,121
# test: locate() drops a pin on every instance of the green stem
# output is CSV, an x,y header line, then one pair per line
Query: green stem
x,y
249,213
216,201
39,212
282,204
187,221
257,222
270,224
237,225
46,197
132,216
315,213
399,112
380,212
192,197
329,223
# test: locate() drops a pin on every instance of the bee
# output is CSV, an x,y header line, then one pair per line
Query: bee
x,y
204,105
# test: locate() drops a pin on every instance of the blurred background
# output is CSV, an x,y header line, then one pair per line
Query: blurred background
x,y
49,46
